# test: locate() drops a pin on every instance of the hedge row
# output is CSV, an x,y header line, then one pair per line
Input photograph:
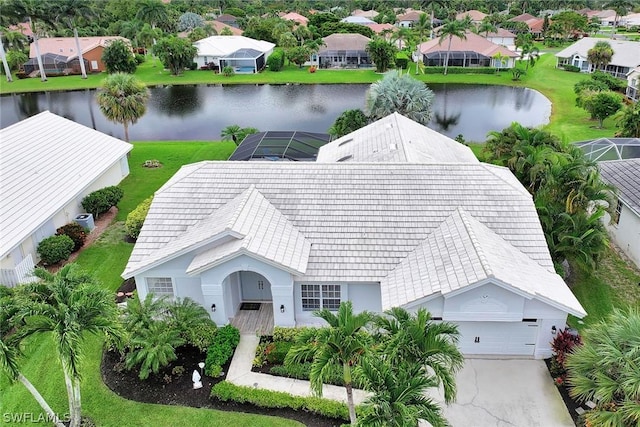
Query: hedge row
x,y
224,343
226,391
275,61
300,371
136,218
460,70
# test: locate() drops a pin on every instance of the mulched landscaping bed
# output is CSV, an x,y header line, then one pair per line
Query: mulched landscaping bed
x,y
571,404
179,390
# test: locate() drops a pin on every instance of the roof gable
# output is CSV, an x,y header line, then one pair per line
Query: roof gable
x,y
625,176
35,177
344,41
219,46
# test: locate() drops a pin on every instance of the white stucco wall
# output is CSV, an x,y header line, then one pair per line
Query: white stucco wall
x,y
626,234
486,302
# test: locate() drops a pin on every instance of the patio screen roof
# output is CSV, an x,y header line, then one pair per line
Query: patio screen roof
x,y
611,148
453,55
341,53
281,145
244,53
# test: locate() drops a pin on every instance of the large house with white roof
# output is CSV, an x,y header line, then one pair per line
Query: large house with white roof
x,y
626,56
245,54
393,214
48,164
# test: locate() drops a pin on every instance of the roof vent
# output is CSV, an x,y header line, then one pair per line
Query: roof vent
x,y
393,146
346,141
345,158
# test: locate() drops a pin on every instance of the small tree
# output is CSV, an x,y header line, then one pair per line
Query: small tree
x,y
602,105
298,55
175,53
348,122
382,54
629,122
118,58
189,21
55,249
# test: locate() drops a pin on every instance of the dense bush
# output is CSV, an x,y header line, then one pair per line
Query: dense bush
x,y
136,218
191,320
226,391
402,60
613,83
287,334
102,200
139,58
300,371
76,232
572,68
275,61
277,351
460,70
55,249
228,71
224,343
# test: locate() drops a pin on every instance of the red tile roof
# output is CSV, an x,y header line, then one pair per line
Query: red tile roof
x,y
473,43
66,46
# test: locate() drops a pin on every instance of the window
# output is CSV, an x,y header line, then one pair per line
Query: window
x,y
616,215
316,297
160,286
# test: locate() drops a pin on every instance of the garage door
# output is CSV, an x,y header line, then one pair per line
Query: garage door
x,y
508,338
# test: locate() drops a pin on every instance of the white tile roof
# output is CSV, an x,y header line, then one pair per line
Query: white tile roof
x,y
462,251
362,219
396,138
45,162
220,46
625,53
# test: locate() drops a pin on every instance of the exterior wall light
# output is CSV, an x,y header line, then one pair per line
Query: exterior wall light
x,y
554,330
213,307
281,308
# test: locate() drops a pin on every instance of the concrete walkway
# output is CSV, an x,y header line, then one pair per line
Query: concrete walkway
x,y
240,374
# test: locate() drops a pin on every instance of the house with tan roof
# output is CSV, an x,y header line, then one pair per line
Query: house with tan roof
x,y
343,51
228,19
626,56
524,17
296,17
474,51
502,37
391,215
365,13
475,15
92,49
409,19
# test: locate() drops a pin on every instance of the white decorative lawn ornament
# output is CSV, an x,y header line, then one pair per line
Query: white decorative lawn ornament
x,y
195,377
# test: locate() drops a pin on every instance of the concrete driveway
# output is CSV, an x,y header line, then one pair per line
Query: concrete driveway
x,y
500,393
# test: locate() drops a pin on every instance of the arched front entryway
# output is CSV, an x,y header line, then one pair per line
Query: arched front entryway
x,y
248,295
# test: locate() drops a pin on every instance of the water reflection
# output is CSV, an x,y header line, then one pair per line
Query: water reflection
x,y
201,112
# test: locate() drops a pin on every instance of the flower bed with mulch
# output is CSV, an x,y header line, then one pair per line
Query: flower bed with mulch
x,y
169,388
571,404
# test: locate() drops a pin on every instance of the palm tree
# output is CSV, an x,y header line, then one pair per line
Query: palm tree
x,y
152,12
487,27
600,55
69,304
430,5
399,394
581,238
15,40
420,28
449,30
533,54
402,37
10,337
5,64
621,7
605,370
400,93
343,343
139,315
70,10
629,122
417,339
153,348
231,132
123,99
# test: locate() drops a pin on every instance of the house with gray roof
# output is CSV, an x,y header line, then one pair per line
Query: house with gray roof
x,y
624,223
626,56
48,164
411,219
343,50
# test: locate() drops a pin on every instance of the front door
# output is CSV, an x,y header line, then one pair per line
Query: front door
x,y
254,287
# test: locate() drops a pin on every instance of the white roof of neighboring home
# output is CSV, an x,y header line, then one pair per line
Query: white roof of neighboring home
x,y
396,138
45,162
357,20
217,46
462,251
625,53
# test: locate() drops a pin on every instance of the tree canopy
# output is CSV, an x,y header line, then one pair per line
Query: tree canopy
x,y
175,53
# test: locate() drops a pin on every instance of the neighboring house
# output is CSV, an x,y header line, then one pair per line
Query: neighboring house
x,y
474,51
633,84
524,17
409,19
360,20
626,56
296,17
607,17
92,49
23,28
343,51
475,15
246,54
230,20
52,64
385,30
631,20
48,165
502,37
624,224
365,13
220,26
295,146
419,222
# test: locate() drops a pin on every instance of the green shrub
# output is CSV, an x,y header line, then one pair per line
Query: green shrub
x,y
277,351
136,218
300,371
275,61
102,200
613,83
402,60
460,70
224,343
139,58
226,391
193,66
54,249
572,68
76,232
228,71
201,335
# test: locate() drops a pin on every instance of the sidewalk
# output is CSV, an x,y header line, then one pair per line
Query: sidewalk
x,y
240,374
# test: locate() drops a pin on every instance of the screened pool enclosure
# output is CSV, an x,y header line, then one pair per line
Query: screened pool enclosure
x,y
611,148
281,145
456,59
244,61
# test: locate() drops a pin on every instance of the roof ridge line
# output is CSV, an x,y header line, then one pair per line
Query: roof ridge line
x,y
243,202
396,125
475,242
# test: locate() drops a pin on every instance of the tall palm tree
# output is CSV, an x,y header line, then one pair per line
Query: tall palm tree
x,y
402,37
343,343
486,27
449,30
69,11
123,99
10,353
431,6
417,339
152,12
420,29
605,370
5,64
69,304
600,55
15,40
398,394
621,7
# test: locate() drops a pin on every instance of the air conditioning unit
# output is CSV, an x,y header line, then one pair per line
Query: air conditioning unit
x,y
85,220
